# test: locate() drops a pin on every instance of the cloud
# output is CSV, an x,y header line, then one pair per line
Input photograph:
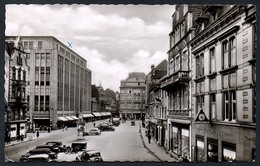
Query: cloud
x,y
114,39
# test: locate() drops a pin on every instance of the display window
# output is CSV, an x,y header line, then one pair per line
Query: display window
x,y
228,152
212,150
200,148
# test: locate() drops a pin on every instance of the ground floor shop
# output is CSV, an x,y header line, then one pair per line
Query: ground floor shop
x,y
17,128
178,139
219,142
158,128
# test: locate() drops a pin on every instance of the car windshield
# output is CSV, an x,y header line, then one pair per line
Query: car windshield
x,y
95,155
93,130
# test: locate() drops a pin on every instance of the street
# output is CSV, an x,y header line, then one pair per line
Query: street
x,y
123,144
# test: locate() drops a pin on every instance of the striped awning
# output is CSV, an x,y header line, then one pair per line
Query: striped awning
x,y
108,113
103,113
62,119
97,114
75,118
87,115
69,118
41,116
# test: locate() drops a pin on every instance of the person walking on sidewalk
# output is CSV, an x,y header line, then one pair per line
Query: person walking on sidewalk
x,y
37,133
149,138
94,124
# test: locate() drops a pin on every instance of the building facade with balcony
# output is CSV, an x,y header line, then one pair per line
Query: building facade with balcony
x,y
16,76
224,60
177,83
156,103
59,82
132,96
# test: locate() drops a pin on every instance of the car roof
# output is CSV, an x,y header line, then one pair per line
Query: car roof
x,y
91,151
79,142
40,149
38,146
39,155
53,142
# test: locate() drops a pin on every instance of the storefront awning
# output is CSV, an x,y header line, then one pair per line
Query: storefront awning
x,y
97,114
87,115
62,119
75,118
103,113
41,117
108,113
69,118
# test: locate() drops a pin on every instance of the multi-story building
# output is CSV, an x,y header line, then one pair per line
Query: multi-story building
x,y
16,76
59,82
224,61
156,103
132,96
177,83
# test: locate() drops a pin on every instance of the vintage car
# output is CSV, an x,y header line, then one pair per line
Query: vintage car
x,y
76,146
51,147
93,131
57,145
51,155
89,156
39,158
116,121
105,127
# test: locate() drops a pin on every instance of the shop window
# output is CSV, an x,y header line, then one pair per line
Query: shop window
x,y
175,139
228,152
200,152
212,150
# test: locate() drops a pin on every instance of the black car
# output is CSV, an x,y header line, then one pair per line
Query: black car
x,y
76,146
51,147
105,127
57,145
52,155
89,156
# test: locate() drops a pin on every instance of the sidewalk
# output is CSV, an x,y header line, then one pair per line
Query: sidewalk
x,y
41,135
155,149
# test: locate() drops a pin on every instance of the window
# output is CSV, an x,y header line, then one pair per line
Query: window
x,y
36,101
24,75
37,56
19,74
229,80
41,103
31,45
212,60
229,53
213,106
200,65
200,103
42,56
230,111
177,63
39,44
47,76
25,45
228,152
212,84
14,73
27,56
200,87
185,61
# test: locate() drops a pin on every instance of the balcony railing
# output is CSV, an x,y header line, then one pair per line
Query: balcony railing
x,y
185,112
19,82
180,76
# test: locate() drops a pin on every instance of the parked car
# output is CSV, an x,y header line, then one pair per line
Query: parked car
x,y
104,123
93,131
39,158
105,127
76,146
36,151
89,156
57,145
51,147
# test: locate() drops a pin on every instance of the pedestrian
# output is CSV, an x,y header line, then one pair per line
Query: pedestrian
x,y
18,138
149,138
49,129
94,124
37,133
22,137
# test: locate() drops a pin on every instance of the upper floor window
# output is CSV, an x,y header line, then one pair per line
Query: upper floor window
x,y
200,65
229,53
230,111
229,80
30,44
212,60
39,44
25,45
213,106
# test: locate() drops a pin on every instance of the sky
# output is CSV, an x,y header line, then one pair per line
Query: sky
x,y
114,39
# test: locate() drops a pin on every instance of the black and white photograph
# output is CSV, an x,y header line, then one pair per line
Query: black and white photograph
x,y
159,83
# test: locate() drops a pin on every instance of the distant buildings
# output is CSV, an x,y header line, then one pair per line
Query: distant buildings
x,y
132,96
59,82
